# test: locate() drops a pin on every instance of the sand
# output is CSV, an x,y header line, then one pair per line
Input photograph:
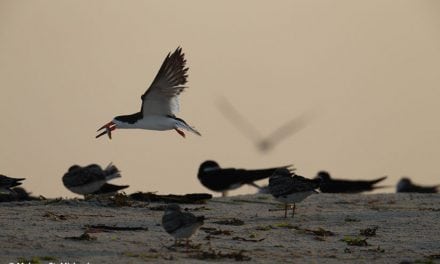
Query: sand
x,y
407,229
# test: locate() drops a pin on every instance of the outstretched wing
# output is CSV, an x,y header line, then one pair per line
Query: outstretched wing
x,y
162,97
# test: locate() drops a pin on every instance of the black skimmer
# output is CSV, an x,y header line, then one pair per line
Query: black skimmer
x,y
264,144
405,185
222,180
329,185
181,225
288,188
160,103
90,179
17,194
6,183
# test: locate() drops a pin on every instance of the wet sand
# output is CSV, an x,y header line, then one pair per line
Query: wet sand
x,y
396,228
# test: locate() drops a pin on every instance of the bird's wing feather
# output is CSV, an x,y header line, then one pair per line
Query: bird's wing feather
x,y
161,98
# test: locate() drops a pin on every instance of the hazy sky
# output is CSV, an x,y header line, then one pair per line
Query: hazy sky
x,y
368,69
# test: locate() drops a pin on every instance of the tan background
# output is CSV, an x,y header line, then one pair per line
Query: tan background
x,y
369,69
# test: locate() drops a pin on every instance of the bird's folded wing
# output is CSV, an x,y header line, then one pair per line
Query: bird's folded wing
x,y
161,98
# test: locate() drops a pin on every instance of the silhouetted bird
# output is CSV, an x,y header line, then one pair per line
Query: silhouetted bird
x,y
89,179
264,144
181,225
329,185
6,183
288,188
405,185
160,103
222,180
17,194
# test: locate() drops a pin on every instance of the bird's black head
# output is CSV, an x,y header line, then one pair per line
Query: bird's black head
x,y
323,176
74,168
208,165
130,119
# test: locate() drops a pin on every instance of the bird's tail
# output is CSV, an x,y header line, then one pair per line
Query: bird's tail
x,y
112,172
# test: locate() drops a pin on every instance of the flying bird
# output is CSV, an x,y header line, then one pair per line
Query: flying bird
x,y
181,225
405,185
90,179
264,144
329,185
217,179
6,183
289,188
160,103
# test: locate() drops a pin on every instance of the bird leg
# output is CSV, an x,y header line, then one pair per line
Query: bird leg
x,y
180,132
293,209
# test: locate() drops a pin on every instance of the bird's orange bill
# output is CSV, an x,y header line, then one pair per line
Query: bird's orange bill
x,y
109,127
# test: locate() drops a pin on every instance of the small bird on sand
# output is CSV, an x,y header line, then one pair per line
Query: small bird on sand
x,y
90,179
405,185
6,183
289,188
222,180
181,225
329,185
160,103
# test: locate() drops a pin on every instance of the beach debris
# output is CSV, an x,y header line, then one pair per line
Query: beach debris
x,y
105,228
351,219
320,232
264,228
376,250
232,221
120,200
212,254
84,237
369,232
195,209
355,241
248,240
191,198
215,231
56,217
287,225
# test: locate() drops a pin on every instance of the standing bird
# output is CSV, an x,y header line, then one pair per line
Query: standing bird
x,y
329,185
405,185
160,102
90,179
6,183
289,188
222,180
181,225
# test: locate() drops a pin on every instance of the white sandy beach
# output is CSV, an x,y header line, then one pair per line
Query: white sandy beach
x,y
408,229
